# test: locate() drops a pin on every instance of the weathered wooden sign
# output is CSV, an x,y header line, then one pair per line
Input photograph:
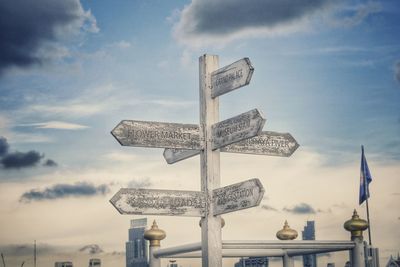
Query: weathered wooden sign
x,y
159,202
243,126
231,77
157,134
266,143
237,196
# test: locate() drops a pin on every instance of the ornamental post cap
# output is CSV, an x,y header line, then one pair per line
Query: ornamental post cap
x,y
355,225
154,235
286,233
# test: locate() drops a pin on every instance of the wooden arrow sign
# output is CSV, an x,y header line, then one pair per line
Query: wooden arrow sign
x,y
238,196
266,143
231,77
243,126
159,202
157,134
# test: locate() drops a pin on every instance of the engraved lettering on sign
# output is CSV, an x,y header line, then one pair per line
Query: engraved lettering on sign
x,y
267,142
229,77
234,195
236,126
163,202
130,133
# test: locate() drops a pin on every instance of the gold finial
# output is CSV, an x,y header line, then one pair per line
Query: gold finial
x,y
222,222
356,226
154,235
286,233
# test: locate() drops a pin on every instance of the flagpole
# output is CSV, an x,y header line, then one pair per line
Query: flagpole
x,y
369,224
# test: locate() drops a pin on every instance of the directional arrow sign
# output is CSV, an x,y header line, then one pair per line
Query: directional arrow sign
x,y
238,196
157,134
238,128
266,143
231,77
159,202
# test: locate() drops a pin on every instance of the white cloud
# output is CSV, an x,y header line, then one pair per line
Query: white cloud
x,y
56,125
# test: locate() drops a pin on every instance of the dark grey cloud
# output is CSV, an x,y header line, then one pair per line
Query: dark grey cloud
x,y
91,249
3,146
17,160
224,17
302,208
267,207
29,29
50,163
59,191
397,71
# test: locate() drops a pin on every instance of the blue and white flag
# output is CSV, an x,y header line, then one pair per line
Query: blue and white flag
x,y
365,178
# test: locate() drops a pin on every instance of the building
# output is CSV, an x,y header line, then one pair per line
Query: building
x,y
309,234
252,262
63,264
393,262
94,263
136,247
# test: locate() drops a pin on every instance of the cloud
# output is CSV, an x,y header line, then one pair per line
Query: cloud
x,y
352,16
140,183
302,208
397,71
3,146
59,191
91,249
267,207
232,19
30,30
60,125
17,160
50,163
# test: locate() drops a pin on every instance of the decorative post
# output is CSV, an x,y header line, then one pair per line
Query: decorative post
x,y
287,234
154,235
356,226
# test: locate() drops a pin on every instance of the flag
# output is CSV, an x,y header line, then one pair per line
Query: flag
x,y
365,178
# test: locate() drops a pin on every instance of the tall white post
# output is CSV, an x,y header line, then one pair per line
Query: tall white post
x,y
209,160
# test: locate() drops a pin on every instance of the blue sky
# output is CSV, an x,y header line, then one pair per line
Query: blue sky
x,y
326,71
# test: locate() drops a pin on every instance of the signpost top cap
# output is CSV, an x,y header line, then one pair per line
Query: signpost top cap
x,y
154,235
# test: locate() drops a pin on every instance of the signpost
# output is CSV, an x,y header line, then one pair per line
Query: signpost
x,y
238,128
157,134
231,77
238,196
266,143
159,202
240,134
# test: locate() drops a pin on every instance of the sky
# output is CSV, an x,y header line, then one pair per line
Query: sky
x,y
327,72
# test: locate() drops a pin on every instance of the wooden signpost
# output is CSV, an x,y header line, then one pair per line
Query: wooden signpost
x,y
266,143
238,196
231,77
159,202
240,134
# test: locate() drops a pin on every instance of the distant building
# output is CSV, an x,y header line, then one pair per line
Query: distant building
x,y
330,264
393,262
94,263
309,234
136,247
172,263
63,264
252,262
